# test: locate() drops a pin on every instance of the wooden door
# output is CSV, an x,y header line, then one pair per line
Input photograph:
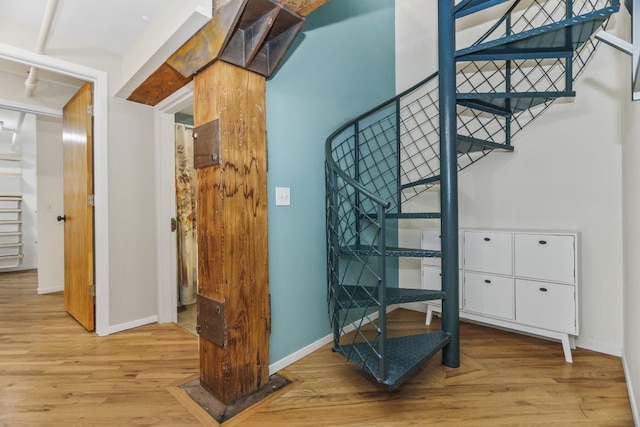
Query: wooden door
x,y
78,207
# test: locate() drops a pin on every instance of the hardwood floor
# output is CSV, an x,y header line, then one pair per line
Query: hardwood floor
x,y
53,373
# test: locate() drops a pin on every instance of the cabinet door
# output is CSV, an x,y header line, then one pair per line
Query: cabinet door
x,y
546,305
545,257
432,279
431,240
488,295
488,252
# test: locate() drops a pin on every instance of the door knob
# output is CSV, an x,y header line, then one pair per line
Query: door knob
x,y
62,218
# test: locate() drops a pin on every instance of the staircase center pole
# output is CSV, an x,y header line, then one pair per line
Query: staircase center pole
x,y
449,180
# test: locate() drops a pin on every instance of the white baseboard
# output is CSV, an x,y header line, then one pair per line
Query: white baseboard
x,y
294,357
632,394
599,347
133,324
42,291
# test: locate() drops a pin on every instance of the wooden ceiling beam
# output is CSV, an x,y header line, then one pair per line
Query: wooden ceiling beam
x,y
210,42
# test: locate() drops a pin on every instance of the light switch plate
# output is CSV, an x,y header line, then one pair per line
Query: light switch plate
x,y
283,196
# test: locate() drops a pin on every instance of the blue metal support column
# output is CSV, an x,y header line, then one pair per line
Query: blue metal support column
x,y
448,180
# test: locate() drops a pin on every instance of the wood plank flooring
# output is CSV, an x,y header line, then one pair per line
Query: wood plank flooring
x,y
53,373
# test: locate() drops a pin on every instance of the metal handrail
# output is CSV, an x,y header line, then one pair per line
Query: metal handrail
x,y
328,152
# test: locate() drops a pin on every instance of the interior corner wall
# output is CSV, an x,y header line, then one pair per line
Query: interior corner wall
x,y
50,204
563,175
339,67
132,230
631,240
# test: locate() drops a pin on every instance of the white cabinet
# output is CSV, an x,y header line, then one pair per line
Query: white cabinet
x,y
519,280
546,305
490,252
488,295
545,257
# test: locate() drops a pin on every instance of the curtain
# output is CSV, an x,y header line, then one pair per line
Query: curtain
x,y
186,216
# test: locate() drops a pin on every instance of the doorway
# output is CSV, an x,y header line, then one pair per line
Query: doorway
x,y
99,80
185,223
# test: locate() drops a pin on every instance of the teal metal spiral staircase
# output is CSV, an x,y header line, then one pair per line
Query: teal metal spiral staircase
x,y
480,98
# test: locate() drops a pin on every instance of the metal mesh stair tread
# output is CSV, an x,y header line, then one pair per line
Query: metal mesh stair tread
x,y
404,355
469,144
367,296
514,102
467,7
415,215
408,215
389,251
569,33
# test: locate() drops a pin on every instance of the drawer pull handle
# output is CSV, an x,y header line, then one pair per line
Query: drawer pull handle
x,y
487,281
487,239
542,242
543,289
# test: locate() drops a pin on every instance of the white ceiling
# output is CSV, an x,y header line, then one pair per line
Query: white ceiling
x,y
111,25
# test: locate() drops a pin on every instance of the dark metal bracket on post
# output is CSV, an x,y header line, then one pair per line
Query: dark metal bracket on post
x,y
211,324
206,145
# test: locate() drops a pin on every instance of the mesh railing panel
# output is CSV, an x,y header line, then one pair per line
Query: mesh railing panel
x,y
398,145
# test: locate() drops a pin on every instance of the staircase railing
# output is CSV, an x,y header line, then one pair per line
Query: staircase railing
x,y
389,155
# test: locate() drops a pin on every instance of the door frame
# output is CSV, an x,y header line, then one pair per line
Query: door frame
x,y
99,80
166,249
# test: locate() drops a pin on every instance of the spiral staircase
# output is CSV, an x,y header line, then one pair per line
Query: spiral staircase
x,y
482,96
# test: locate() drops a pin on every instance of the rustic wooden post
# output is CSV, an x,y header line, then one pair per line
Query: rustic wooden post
x,y
231,160
232,232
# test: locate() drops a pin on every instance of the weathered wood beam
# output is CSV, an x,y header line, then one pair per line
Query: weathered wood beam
x,y
211,42
162,83
232,231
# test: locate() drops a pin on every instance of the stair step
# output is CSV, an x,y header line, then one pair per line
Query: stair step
x,y
468,144
367,296
405,355
415,215
478,104
561,36
516,101
424,181
364,250
467,7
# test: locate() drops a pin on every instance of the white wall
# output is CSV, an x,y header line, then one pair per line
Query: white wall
x,y
50,205
631,239
26,140
563,175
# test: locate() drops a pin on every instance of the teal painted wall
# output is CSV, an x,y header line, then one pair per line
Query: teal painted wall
x,y
341,65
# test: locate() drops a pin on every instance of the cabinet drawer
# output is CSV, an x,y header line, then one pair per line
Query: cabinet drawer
x,y
431,240
488,252
432,279
488,295
546,305
545,257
